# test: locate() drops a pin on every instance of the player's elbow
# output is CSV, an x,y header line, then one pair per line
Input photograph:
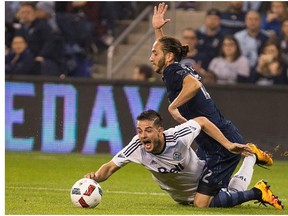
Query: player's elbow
x,y
202,121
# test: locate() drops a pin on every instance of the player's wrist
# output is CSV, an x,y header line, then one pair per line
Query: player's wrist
x,y
229,146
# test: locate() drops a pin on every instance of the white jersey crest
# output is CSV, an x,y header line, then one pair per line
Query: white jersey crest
x,y
177,169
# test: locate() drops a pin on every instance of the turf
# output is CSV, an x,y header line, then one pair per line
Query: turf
x,y
39,183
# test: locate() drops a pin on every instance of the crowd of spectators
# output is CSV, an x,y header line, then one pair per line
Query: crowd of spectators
x,y
230,66
241,45
63,38
245,43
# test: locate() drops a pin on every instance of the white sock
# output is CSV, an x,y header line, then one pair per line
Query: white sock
x,y
241,180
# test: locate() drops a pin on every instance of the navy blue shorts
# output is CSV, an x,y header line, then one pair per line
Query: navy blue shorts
x,y
220,164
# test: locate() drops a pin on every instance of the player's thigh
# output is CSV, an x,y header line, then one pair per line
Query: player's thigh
x,y
217,174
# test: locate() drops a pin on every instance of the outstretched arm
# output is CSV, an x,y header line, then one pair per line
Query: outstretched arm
x,y
104,172
209,128
158,20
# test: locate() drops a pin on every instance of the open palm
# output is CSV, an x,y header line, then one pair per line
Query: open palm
x,y
158,20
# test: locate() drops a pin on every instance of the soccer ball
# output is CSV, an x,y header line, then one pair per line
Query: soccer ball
x,y
86,193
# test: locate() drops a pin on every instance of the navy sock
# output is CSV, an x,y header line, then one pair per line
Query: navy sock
x,y
229,199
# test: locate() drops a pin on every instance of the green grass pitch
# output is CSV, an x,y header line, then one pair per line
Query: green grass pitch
x,y
39,183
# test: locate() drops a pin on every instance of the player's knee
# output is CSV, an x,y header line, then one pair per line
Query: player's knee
x,y
200,203
202,200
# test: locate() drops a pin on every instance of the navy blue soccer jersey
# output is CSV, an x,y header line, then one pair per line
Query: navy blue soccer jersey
x,y
200,105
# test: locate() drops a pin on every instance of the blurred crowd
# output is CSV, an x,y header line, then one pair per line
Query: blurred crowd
x,y
245,43
60,37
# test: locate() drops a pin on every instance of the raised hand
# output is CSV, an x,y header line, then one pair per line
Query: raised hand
x,y
158,20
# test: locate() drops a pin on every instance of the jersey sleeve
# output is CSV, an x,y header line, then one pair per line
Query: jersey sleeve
x,y
128,153
187,132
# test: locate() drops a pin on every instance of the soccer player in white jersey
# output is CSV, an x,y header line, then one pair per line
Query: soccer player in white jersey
x,y
175,166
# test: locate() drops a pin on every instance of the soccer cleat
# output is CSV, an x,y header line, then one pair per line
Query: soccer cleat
x,y
262,158
267,195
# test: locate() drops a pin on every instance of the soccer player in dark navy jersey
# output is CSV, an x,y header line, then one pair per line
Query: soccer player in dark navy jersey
x,y
189,99
200,104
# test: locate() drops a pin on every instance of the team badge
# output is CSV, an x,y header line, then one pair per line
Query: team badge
x,y
177,156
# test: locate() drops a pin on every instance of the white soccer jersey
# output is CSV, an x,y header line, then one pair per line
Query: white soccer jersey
x,y
177,169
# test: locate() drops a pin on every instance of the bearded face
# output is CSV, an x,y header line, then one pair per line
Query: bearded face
x,y
157,58
159,66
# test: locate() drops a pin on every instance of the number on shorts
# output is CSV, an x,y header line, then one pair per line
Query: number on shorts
x,y
204,179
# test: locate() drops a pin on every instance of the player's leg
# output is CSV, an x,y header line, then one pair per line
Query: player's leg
x,y
226,198
202,200
261,192
220,165
241,180
206,190
215,177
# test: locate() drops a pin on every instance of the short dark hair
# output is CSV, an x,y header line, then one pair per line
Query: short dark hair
x,y
151,115
29,3
189,29
146,70
170,44
22,35
213,11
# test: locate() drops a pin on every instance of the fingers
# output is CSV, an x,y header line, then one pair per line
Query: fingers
x,y
245,153
244,150
165,8
90,175
245,147
156,10
248,149
162,8
158,16
167,20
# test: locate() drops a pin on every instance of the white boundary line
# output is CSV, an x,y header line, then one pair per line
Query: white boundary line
x,y
67,190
